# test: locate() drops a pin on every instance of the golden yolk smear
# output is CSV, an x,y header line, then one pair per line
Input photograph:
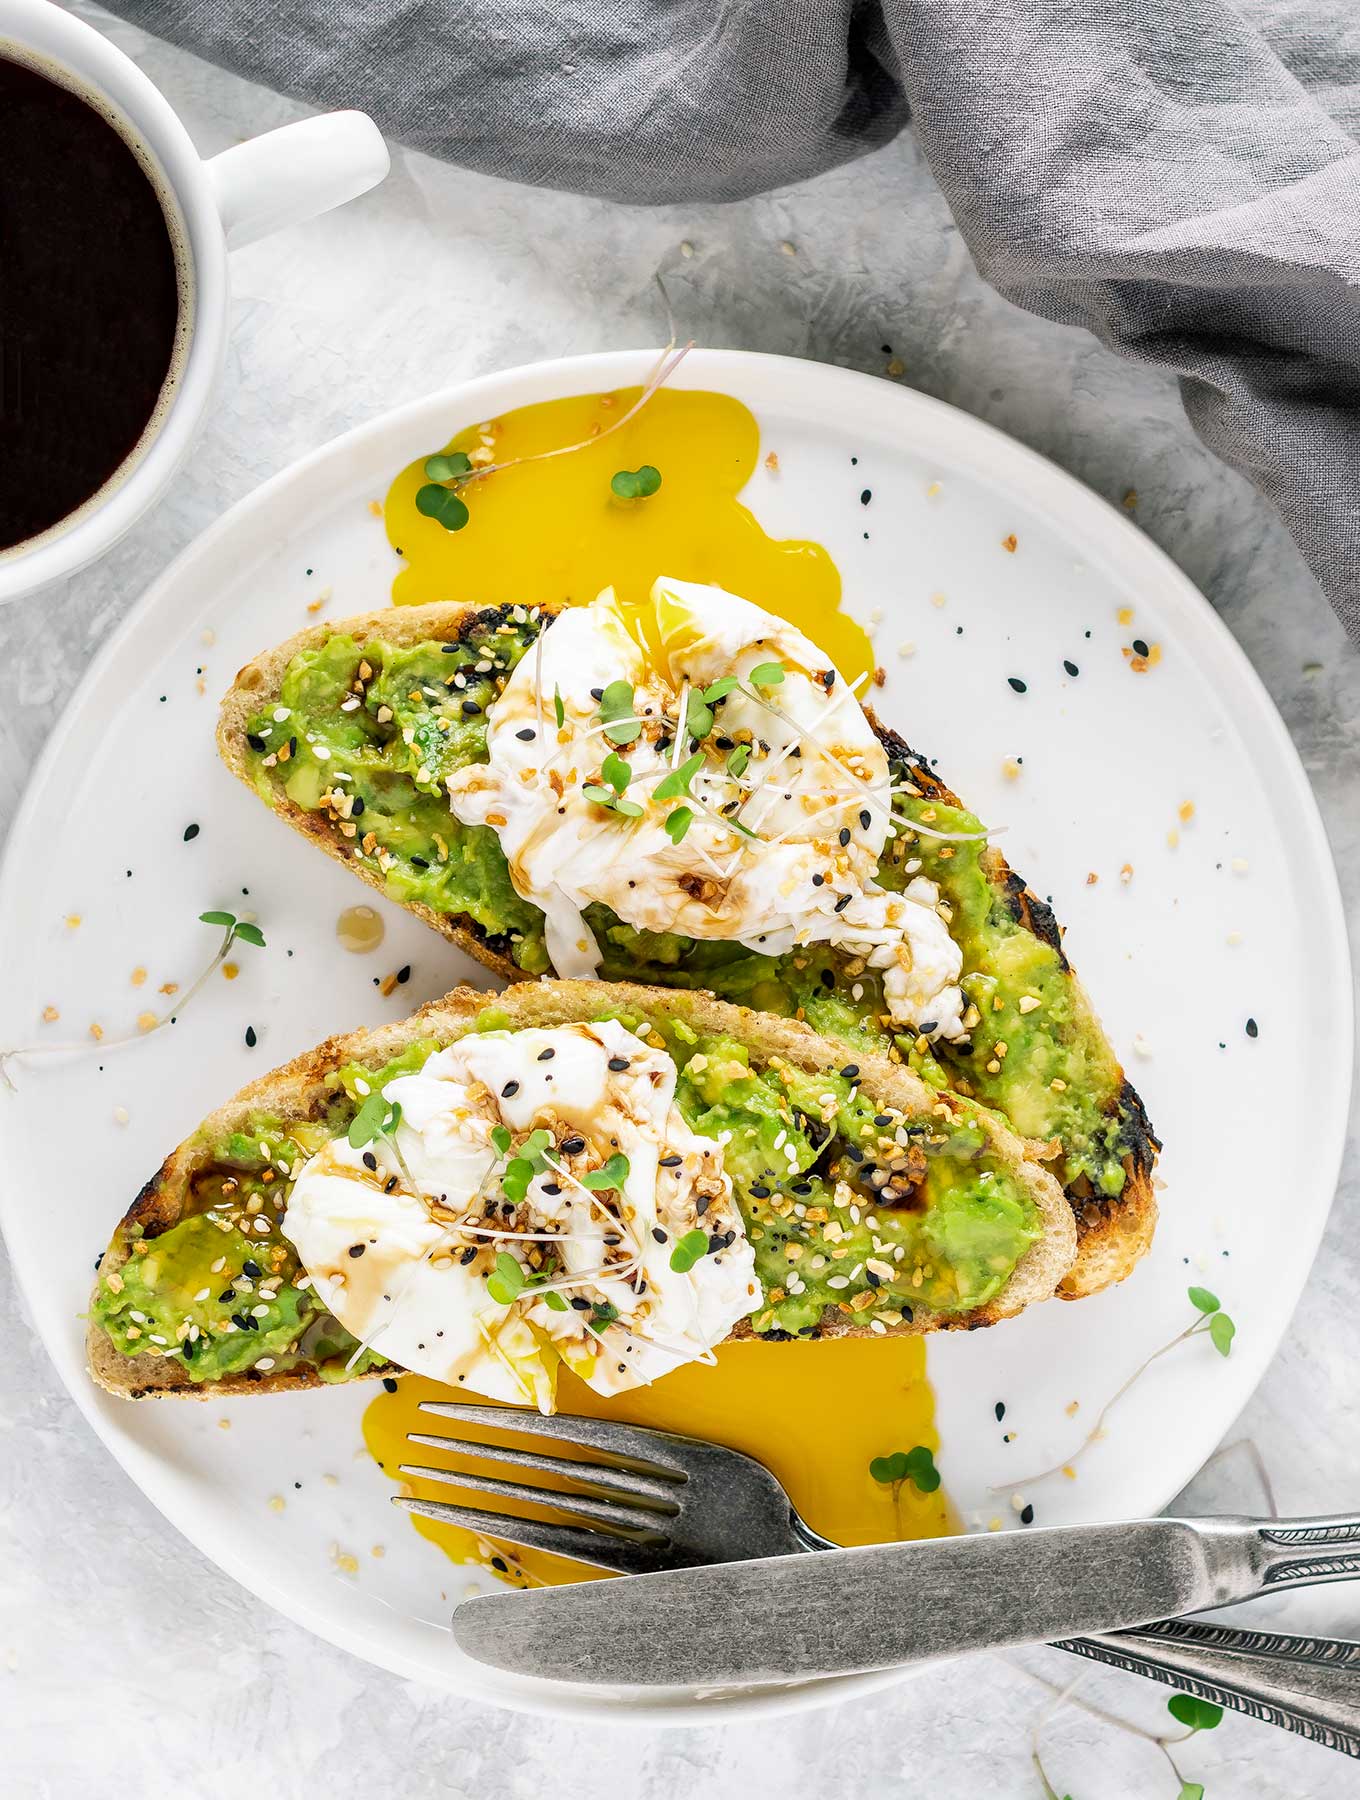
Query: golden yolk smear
x,y
555,532
816,1414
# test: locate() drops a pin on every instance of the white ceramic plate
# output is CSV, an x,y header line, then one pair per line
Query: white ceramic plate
x,y
1241,921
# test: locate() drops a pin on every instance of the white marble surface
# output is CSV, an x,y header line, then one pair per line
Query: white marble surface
x,y
125,1659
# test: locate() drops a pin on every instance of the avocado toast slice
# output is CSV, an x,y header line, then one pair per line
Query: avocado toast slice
x,y
348,732
870,1201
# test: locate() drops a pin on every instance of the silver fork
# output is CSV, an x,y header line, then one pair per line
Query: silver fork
x,y
668,1501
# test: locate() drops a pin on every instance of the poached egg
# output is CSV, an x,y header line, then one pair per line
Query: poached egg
x,y
721,781
526,1208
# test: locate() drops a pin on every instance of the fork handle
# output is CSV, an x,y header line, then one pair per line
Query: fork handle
x,y
1307,1685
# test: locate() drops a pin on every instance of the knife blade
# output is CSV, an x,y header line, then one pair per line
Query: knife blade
x,y
784,1618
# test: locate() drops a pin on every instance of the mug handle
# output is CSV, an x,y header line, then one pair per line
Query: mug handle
x,y
294,173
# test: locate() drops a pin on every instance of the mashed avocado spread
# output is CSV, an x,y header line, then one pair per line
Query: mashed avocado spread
x,y
872,1214
364,734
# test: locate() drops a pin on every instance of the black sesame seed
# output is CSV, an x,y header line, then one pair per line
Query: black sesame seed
x,y
547,1055
850,1071
419,862
1071,667
1000,1410
671,1162
526,736
509,1090
872,1279
1139,647
99,1259
389,1384
252,1269
842,903
404,972
241,1321
572,1146
597,693
864,819
469,1255
827,979
844,836
658,1234
358,806
370,1160
470,709
618,1064
866,495
1027,1515
254,740
817,880
356,1250
716,1242
760,1191
251,1039
226,1297
1253,1029
854,1152
580,1302
389,1184
552,1188
881,1119
1020,687
190,833
926,1026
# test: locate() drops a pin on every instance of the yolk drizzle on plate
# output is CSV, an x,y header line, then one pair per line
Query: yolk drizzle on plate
x,y
816,1414
554,531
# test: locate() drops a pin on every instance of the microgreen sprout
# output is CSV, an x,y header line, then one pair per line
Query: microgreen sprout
x,y
636,484
611,1174
720,689
678,822
688,1250
234,931
447,466
1210,1321
1196,1714
559,710
698,716
506,1280
916,1465
616,772
523,1167
769,674
737,761
616,709
376,1118
611,801
442,505
672,786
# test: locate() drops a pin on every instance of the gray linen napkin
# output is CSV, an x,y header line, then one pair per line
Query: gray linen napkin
x,y
1181,177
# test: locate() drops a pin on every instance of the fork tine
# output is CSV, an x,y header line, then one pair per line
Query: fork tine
x,y
659,1448
620,1555
606,1512
621,1481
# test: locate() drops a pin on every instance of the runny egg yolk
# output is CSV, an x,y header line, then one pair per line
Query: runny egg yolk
x,y
554,531
816,1414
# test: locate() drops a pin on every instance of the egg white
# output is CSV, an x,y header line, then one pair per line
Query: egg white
x,y
816,793
400,1236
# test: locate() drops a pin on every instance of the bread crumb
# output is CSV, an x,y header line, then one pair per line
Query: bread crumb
x,y
1010,543
72,921
937,599
906,649
276,1503
375,507
230,971
1092,878
147,1021
1126,874
1125,615
933,490
897,367
1131,499
772,462
50,1015
1186,811
97,1033
121,1115
1010,768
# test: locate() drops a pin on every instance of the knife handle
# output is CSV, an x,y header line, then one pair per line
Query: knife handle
x,y
1307,1685
1298,1552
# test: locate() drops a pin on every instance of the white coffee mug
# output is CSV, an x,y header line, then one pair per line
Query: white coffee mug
x,y
213,206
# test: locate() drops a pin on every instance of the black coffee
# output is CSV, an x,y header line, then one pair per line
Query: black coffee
x,y
89,301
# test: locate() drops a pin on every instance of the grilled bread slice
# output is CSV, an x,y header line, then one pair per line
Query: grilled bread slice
x,y
304,1091
1114,1229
